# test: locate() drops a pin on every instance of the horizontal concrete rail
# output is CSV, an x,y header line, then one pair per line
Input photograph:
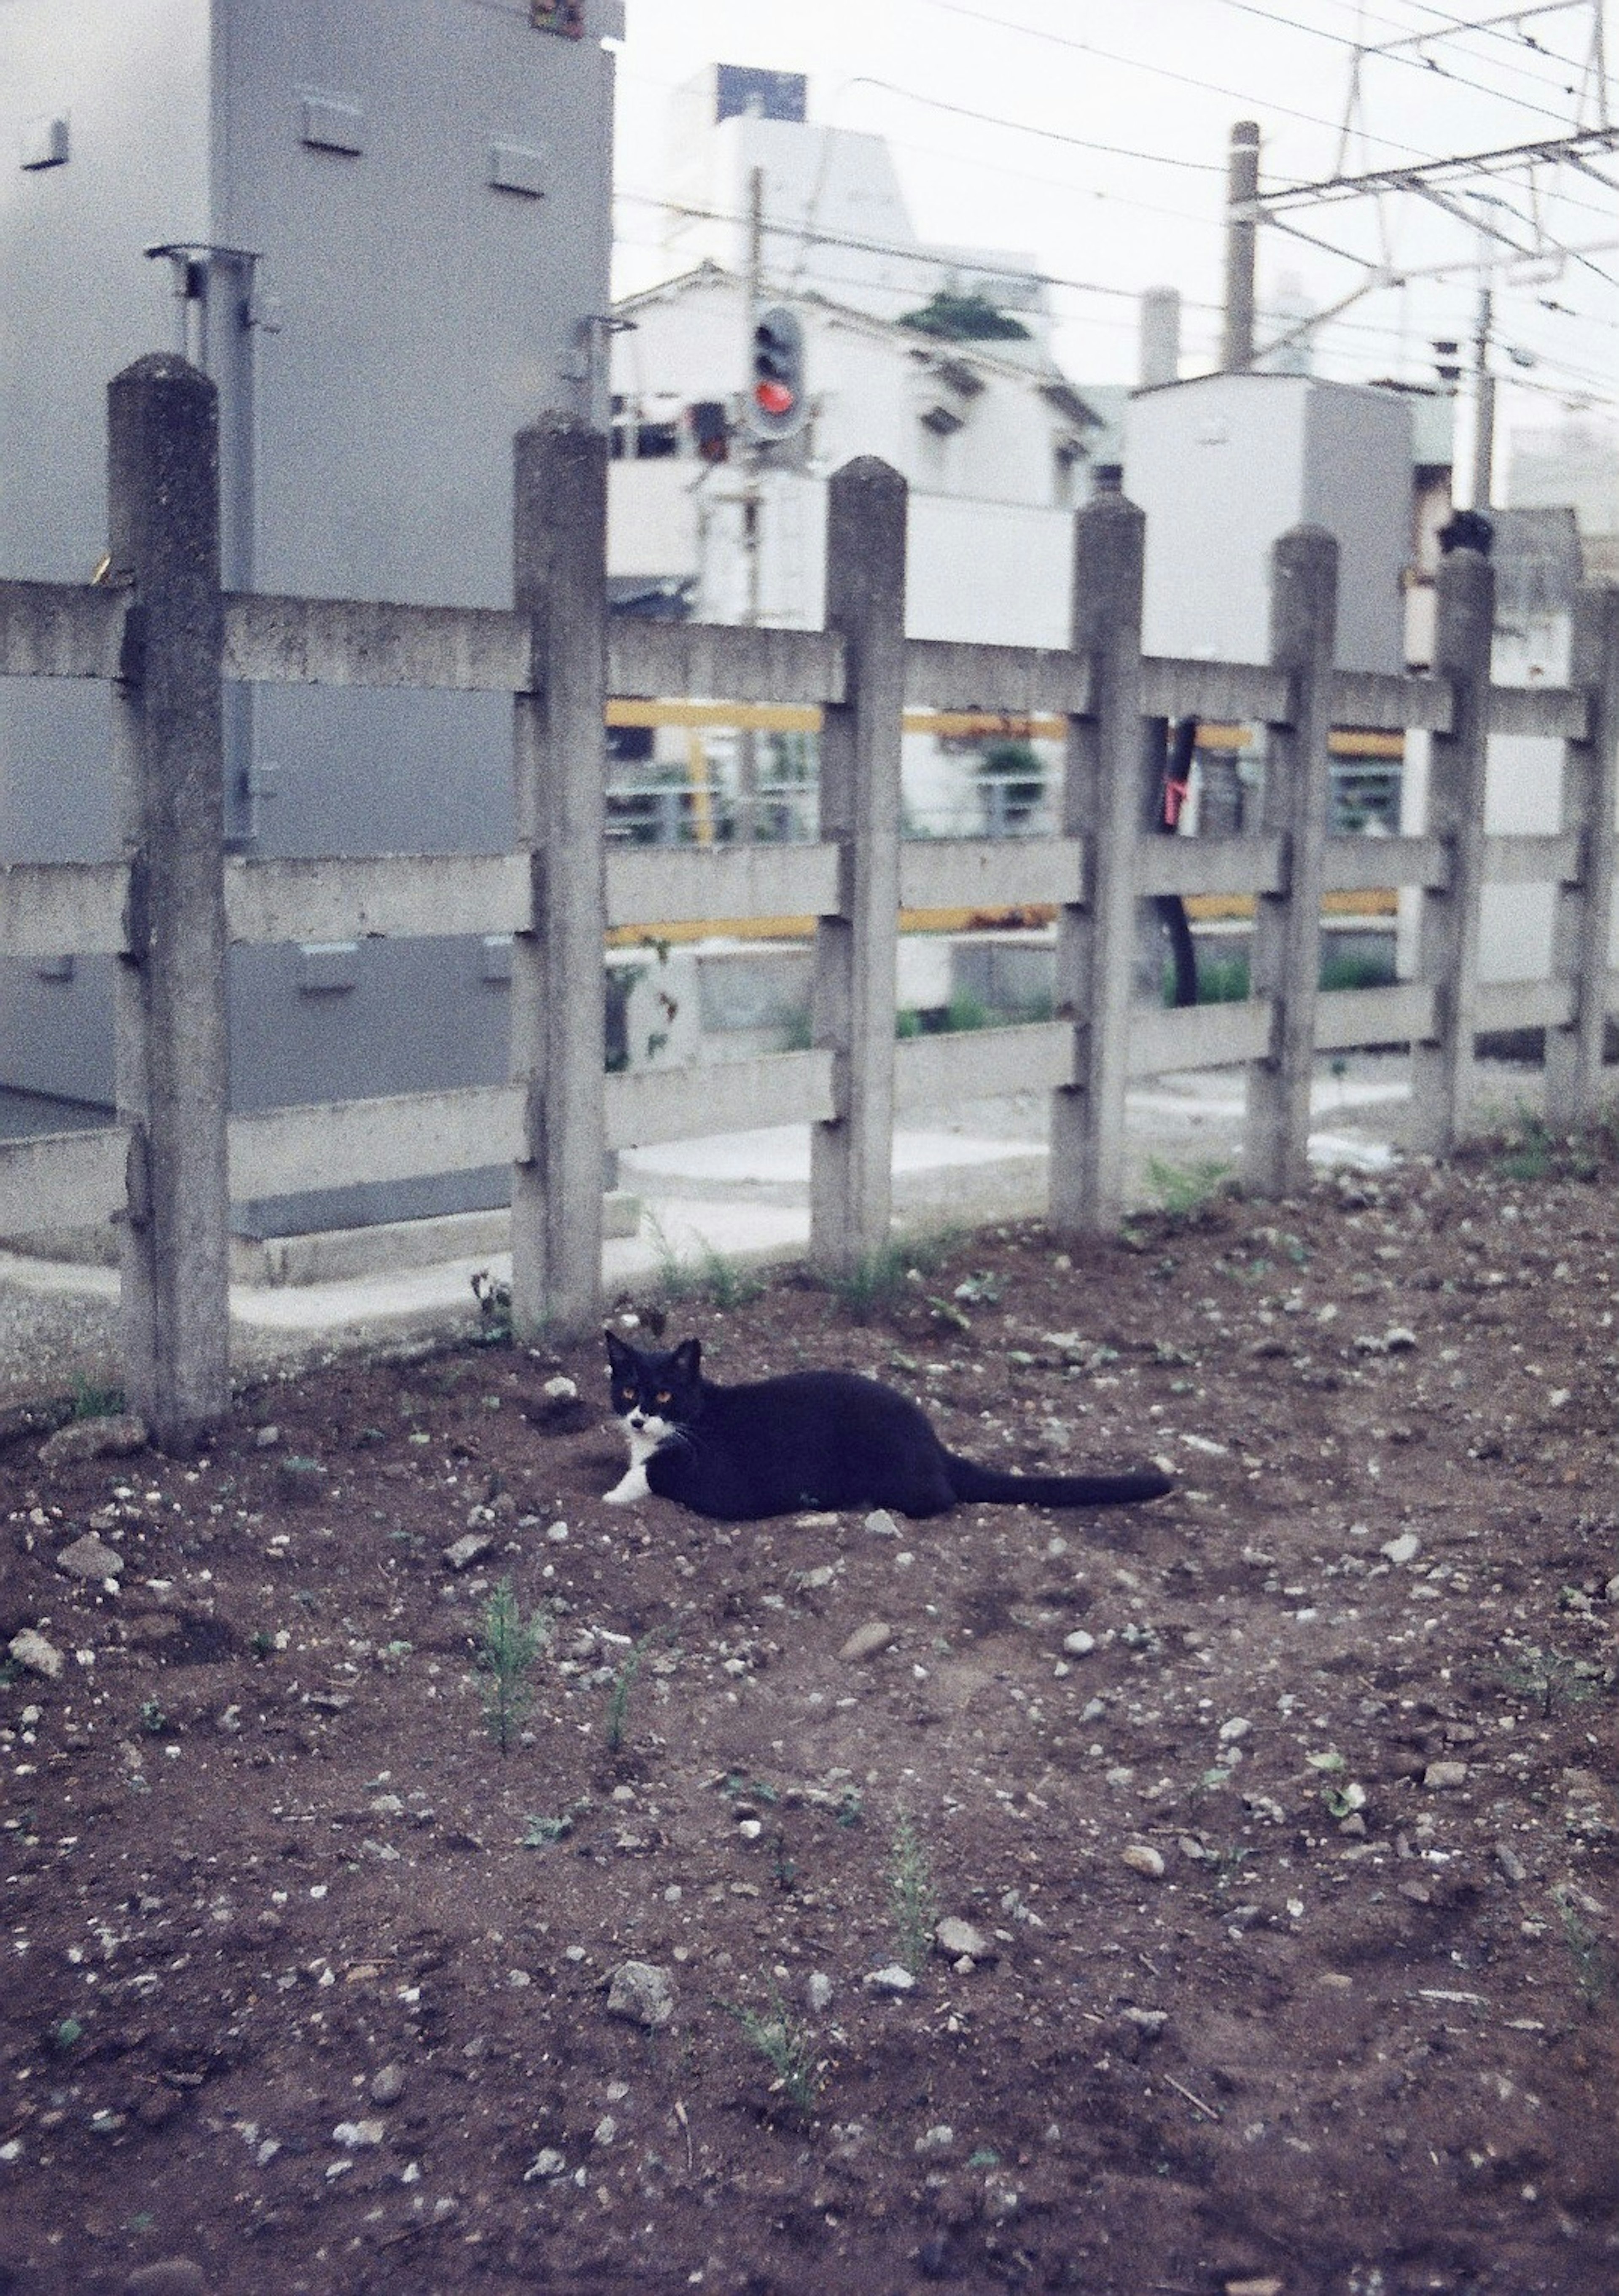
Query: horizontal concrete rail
x,y
1223,693
938,1072
952,872
1382,702
1551,712
61,1180
646,886
664,660
1401,1013
1361,864
693,1103
1208,864
62,909
342,641
1532,860
1197,1037
60,629
1505,1005
280,1152
1022,681
392,896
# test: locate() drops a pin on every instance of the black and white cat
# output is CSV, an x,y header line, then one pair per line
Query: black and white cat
x,y
809,1439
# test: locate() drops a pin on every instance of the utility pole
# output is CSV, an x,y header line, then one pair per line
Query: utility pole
x,y
1241,233
1483,400
748,740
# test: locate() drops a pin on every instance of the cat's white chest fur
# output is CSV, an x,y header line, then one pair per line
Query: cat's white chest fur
x,y
643,1441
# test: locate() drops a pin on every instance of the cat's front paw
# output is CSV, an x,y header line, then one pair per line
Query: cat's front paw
x,y
634,1486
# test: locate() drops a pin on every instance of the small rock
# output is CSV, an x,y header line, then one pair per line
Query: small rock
x,y
881,1524
818,1992
1511,1865
1141,1858
894,1979
1148,2023
548,2162
90,1559
462,1553
1403,1549
114,1437
387,2085
357,2136
31,1650
939,2138
605,2131
866,1641
267,1438
168,2275
956,1939
1440,1776
1079,1643
559,1390
1265,2284
1398,1340
641,1993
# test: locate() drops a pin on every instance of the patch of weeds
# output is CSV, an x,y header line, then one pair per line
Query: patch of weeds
x,y
1551,1679
623,1682
881,1277
738,1788
153,1719
1225,1865
93,1402
1184,1192
1529,1151
493,1299
712,1276
851,1809
1593,1964
262,1643
913,1903
788,2047
65,2035
543,1832
507,1651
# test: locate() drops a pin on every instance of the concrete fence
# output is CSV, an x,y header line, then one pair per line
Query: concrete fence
x,y
160,632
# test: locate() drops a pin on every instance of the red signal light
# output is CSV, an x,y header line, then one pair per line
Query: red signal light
x,y
774,397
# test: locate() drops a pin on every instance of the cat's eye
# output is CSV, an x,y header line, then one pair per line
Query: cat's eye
x,y
662,1395
628,1393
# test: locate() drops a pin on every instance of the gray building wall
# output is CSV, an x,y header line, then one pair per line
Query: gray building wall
x,y
425,185
1225,463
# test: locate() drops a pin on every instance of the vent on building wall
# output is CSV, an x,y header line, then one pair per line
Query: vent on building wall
x,y
44,144
946,389
326,124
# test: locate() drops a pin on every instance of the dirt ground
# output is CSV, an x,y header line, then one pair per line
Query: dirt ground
x,y
1274,1823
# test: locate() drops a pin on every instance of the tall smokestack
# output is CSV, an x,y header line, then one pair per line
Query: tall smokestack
x,y
1159,351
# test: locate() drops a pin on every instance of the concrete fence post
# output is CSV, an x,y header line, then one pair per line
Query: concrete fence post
x,y
851,1157
1582,919
1108,801
1447,946
1285,966
171,1058
558,996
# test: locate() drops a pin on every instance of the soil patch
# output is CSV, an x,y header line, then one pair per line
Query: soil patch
x,y
1273,1825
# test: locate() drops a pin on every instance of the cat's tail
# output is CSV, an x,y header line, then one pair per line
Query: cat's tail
x,y
969,1480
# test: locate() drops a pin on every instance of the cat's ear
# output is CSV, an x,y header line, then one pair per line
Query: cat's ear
x,y
617,1351
687,1356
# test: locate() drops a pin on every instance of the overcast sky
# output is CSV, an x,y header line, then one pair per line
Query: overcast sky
x,y
1094,138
